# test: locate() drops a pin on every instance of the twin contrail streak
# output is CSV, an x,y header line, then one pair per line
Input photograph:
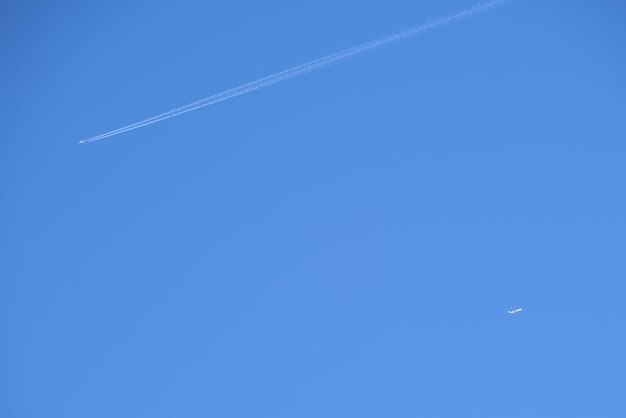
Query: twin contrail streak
x,y
307,67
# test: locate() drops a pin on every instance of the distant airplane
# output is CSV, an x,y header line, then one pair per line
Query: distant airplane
x,y
514,311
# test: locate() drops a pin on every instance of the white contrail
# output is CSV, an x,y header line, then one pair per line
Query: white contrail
x,y
306,67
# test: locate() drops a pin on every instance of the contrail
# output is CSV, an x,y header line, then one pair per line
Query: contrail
x,y
307,67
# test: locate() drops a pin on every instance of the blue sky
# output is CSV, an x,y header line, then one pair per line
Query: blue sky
x,y
342,244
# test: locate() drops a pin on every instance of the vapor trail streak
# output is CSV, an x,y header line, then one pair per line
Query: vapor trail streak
x,y
307,67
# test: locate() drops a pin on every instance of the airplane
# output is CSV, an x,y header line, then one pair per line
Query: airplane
x,y
514,311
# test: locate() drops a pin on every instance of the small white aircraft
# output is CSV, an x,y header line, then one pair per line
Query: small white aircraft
x,y
514,311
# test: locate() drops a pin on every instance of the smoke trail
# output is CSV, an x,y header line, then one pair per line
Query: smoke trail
x,y
306,67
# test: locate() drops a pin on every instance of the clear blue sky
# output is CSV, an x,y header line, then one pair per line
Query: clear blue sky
x,y
344,244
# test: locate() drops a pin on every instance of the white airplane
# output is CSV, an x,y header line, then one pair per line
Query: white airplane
x,y
514,311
